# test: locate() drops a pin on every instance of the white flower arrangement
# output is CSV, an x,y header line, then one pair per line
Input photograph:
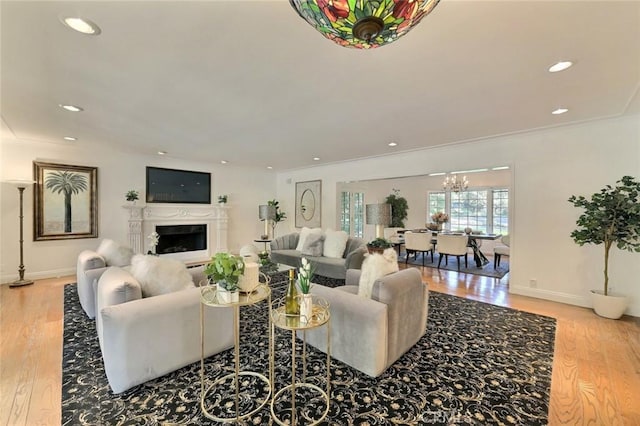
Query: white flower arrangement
x,y
305,274
153,238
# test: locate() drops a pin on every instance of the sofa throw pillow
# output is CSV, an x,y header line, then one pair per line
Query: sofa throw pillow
x,y
160,275
114,254
304,233
376,266
313,245
335,242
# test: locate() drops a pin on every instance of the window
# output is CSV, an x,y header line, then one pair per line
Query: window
x,y
483,210
352,213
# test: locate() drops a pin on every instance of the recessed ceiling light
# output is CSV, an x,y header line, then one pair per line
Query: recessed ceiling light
x,y
559,111
162,152
316,158
223,161
81,25
560,66
70,138
393,144
269,167
72,108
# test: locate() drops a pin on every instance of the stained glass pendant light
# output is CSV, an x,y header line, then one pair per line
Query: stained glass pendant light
x,y
363,24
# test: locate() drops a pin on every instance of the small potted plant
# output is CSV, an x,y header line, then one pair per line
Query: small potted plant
x,y
222,199
611,217
132,195
305,274
225,269
379,245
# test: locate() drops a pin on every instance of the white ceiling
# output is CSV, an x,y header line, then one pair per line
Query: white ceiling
x,y
250,82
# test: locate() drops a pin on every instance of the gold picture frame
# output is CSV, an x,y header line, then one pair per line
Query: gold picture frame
x,y
309,204
65,201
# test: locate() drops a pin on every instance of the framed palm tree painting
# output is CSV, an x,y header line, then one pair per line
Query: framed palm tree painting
x,y
66,201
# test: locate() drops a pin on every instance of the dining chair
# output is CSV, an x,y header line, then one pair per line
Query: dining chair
x,y
500,250
452,245
417,242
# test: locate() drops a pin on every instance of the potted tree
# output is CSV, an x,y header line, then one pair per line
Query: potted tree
x,y
225,269
611,217
379,245
399,207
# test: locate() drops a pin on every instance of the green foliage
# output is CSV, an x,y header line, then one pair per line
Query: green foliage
x,y
610,217
399,207
222,198
225,269
381,243
280,216
132,195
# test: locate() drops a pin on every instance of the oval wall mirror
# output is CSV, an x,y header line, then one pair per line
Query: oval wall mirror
x,y
308,204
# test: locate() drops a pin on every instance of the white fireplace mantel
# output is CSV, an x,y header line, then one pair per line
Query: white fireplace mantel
x,y
143,220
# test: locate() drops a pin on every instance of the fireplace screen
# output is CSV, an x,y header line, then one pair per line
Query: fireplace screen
x,y
181,238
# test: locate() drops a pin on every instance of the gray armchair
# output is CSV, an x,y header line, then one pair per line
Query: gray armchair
x,y
371,334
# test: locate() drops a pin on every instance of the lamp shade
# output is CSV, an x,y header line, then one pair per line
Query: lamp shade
x,y
267,212
363,24
378,214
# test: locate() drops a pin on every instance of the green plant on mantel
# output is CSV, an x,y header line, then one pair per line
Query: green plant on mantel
x,y
399,207
225,269
610,217
132,195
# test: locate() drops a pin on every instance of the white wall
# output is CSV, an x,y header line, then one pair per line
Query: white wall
x,y
117,173
548,167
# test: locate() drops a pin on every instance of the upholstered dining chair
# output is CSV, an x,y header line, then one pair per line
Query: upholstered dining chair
x,y
392,234
418,242
500,250
452,245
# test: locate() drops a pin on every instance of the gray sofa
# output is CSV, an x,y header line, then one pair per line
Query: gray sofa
x,y
371,334
283,250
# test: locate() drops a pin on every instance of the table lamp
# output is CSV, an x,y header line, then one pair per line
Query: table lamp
x,y
266,213
380,216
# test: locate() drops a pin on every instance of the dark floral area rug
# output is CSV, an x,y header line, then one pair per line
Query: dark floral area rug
x,y
477,364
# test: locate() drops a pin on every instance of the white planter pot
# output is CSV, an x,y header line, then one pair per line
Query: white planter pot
x,y
306,308
225,296
608,306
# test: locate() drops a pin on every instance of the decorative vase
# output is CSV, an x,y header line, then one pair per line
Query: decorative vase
x,y
439,227
306,308
373,250
225,296
608,306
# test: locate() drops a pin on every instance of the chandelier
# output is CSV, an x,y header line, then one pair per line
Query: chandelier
x,y
453,183
363,24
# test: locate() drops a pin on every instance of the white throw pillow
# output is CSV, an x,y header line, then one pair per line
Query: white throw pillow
x,y
376,266
313,245
304,233
335,242
160,275
114,254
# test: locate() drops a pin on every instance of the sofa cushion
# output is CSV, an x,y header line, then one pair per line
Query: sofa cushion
x,y
313,245
376,266
160,275
334,243
304,233
114,253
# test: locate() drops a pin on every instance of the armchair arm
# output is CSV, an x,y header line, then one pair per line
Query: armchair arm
x,y
358,330
89,267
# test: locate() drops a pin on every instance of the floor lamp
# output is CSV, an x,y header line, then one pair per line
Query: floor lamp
x,y
21,185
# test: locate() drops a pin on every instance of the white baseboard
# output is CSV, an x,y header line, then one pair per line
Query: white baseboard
x,y
55,273
554,296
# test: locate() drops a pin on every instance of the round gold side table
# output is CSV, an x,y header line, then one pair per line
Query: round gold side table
x,y
279,319
209,298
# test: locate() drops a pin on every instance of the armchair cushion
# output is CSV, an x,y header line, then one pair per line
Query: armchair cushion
x,y
160,275
115,254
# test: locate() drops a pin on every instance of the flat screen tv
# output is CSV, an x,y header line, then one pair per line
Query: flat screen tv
x,y
178,186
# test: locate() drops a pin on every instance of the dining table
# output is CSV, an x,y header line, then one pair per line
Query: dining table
x,y
479,257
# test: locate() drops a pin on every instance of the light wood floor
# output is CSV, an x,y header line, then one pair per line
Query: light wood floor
x,y
596,367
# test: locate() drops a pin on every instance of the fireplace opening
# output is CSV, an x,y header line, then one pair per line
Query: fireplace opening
x,y
181,238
